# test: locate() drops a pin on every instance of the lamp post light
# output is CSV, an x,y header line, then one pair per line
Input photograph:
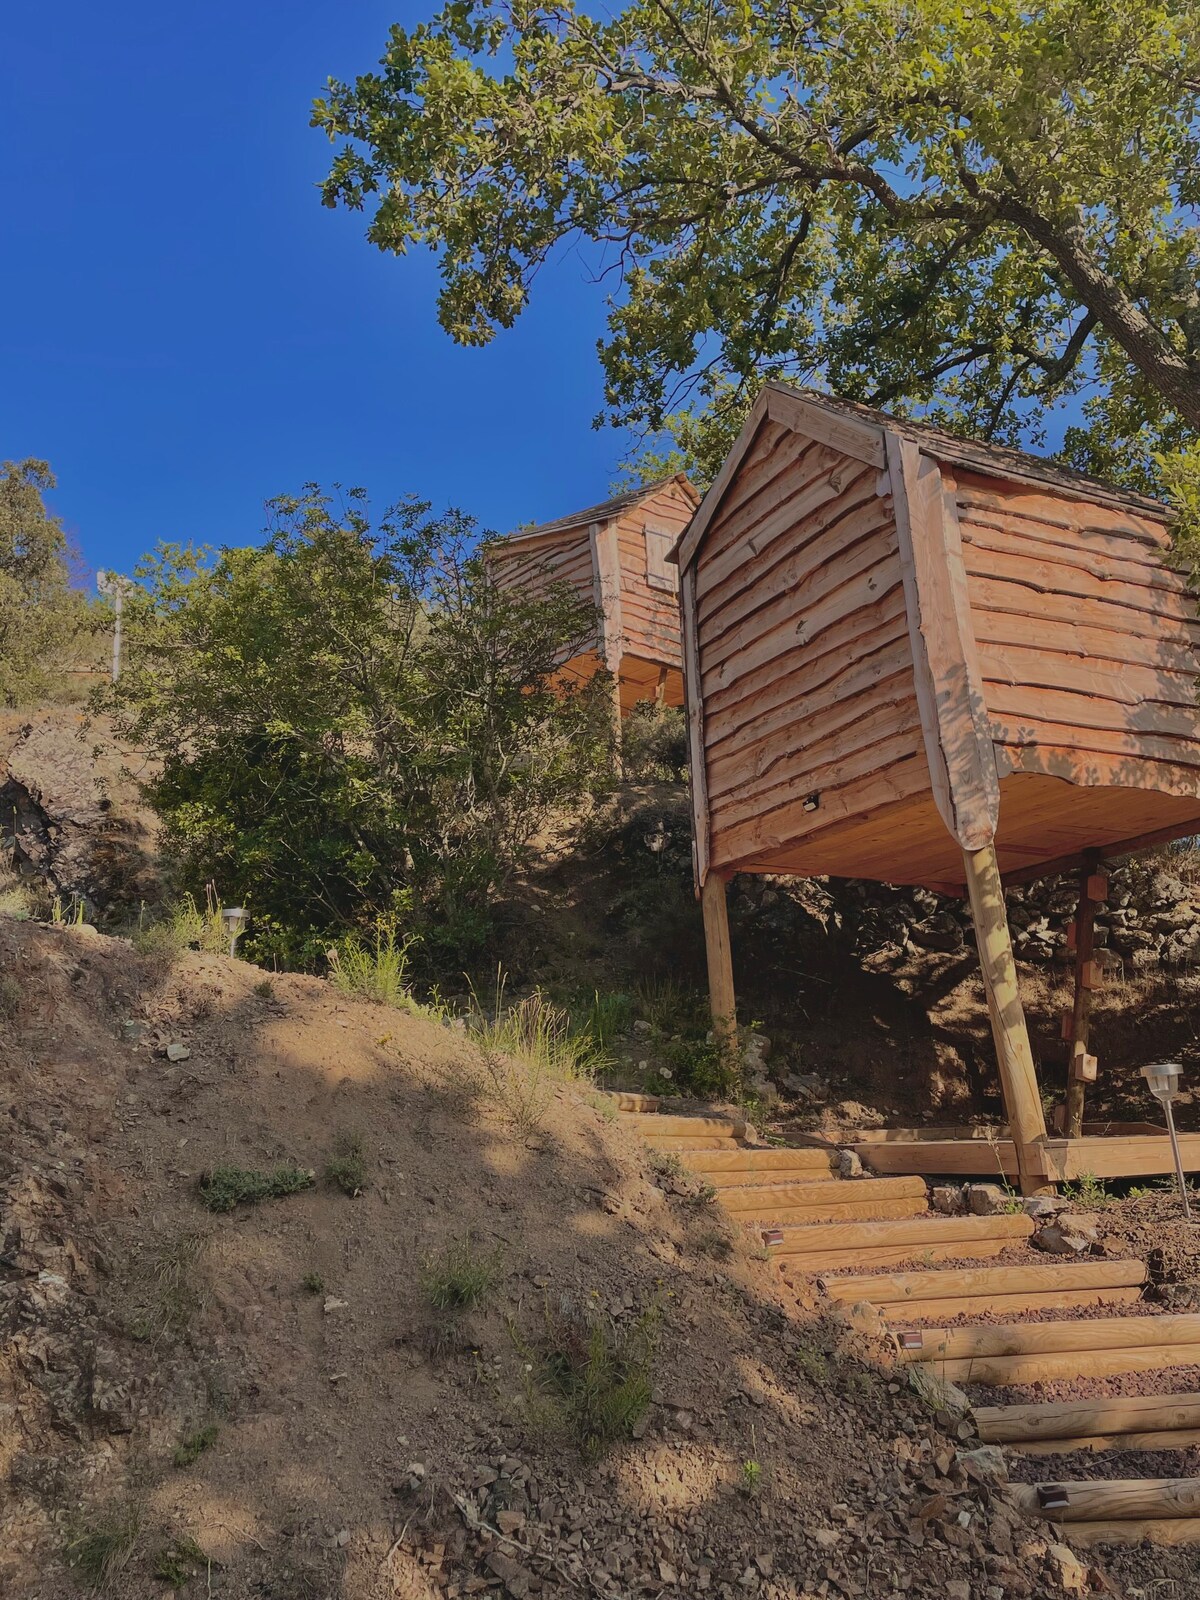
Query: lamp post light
x,y
235,919
1163,1081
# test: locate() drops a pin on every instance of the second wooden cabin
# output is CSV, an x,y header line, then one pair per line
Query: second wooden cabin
x,y
616,554
925,661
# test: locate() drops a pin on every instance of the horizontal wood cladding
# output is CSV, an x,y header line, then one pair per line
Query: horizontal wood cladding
x,y
566,558
1089,643
805,666
650,622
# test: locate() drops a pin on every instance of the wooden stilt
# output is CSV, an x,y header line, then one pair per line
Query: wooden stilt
x,y
1081,1065
1018,1080
660,689
720,961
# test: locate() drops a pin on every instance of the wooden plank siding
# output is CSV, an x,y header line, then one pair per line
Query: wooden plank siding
x,y
805,671
605,560
1088,641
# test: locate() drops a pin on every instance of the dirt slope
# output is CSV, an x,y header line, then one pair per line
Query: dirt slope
x,y
357,1454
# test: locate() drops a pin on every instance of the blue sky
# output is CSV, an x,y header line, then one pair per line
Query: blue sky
x,y
186,330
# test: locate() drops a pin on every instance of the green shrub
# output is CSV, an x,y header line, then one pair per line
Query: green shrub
x,y
226,1187
181,926
458,1277
598,1373
347,1171
176,1563
98,1550
654,743
194,1446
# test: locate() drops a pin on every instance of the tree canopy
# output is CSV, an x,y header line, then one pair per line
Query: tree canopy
x,y
981,211
40,613
352,722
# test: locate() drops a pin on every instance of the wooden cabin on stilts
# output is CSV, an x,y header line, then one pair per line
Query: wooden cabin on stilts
x,y
919,660
617,554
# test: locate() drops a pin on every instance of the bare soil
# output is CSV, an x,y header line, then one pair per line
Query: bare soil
x,y
364,1448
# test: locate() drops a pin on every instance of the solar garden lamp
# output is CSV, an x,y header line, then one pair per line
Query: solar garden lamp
x,y
235,919
1163,1081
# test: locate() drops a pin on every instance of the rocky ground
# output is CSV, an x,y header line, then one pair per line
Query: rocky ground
x,y
265,1401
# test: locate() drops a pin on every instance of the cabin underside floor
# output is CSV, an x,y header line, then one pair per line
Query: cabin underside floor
x,y
1045,822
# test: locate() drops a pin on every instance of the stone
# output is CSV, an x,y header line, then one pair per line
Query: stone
x,y
510,1523
849,1164
177,1051
1067,1568
948,1199
1063,1239
755,1051
937,1393
985,1464
1042,1207
987,1199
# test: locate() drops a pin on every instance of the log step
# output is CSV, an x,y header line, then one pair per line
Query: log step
x,y
829,1245
753,1197
660,1126
954,1349
1168,1533
909,1297
854,1211
788,1164
1143,1500
1124,1422
630,1100
675,1145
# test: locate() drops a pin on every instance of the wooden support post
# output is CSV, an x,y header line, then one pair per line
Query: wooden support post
x,y
720,962
660,689
1018,1080
1079,1062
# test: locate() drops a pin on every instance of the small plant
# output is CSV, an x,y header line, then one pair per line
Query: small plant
x,y
714,1242
813,1363
458,1277
599,1375
701,1067
10,996
527,1050
313,1282
69,913
194,1446
607,1017
184,926
225,1188
1089,1192
265,989
378,971
97,1551
163,1291
750,1479
347,1171
178,1561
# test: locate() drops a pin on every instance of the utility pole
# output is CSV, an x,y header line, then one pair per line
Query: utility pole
x,y
114,586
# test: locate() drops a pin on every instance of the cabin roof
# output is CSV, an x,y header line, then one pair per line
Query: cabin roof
x,y
999,459
862,430
605,510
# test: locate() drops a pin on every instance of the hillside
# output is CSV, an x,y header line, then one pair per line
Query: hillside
x,y
264,1402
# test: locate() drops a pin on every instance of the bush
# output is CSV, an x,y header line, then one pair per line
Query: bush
x,y
354,722
528,1050
459,1277
598,1375
654,743
193,1447
184,926
377,972
225,1188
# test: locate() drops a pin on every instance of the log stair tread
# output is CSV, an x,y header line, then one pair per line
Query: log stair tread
x,y
1125,1422
937,1296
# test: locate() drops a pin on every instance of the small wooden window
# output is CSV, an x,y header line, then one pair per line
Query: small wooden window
x,y
660,573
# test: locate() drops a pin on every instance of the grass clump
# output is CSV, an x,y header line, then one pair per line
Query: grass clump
x,y
183,926
313,1282
750,1479
97,1551
227,1187
264,989
530,1049
598,1374
378,971
459,1277
194,1446
1088,1191
179,1560
347,1170
163,1288
10,996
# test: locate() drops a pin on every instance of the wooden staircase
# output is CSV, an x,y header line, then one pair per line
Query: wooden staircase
x,y
814,1222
